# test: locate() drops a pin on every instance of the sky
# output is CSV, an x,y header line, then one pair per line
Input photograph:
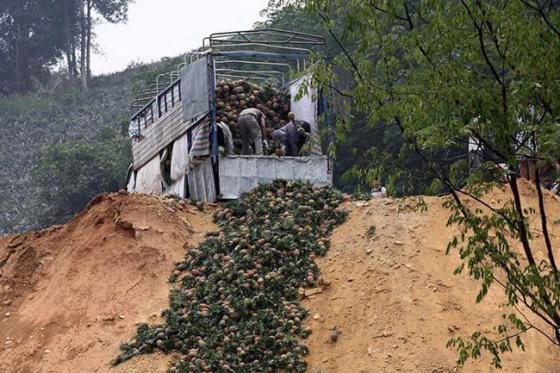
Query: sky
x,y
160,28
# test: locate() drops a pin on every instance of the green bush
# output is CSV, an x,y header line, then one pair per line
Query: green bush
x,y
69,175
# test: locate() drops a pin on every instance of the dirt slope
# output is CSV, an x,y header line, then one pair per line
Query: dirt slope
x,y
395,299
71,294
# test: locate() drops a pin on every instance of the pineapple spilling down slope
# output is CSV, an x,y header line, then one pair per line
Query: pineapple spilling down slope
x,y
236,305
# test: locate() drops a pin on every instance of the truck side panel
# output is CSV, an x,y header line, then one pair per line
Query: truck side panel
x,y
239,174
158,136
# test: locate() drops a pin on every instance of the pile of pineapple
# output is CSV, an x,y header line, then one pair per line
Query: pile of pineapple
x,y
236,303
233,96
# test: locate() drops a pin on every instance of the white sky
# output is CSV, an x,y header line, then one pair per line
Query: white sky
x,y
160,28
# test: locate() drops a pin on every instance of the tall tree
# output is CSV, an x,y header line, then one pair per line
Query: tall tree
x,y
69,10
29,42
84,32
83,15
92,11
442,72
35,34
367,154
89,26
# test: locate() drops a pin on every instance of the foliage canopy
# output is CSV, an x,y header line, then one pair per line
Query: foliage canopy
x,y
72,174
448,73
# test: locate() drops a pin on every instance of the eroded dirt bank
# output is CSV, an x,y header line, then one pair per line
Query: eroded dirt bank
x,y
71,294
396,302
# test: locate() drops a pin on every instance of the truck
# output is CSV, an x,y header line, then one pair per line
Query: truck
x,y
175,133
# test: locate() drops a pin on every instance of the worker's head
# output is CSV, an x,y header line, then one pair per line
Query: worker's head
x,y
291,116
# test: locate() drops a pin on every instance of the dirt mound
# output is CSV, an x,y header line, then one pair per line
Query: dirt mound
x,y
71,294
395,301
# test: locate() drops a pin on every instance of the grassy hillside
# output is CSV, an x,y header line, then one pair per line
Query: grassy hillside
x,y
29,125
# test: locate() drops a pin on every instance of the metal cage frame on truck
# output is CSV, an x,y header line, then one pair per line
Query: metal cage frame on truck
x,y
173,127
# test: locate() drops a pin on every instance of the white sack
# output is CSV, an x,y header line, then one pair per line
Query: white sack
x,y
131,183
177,188
180,158
148,178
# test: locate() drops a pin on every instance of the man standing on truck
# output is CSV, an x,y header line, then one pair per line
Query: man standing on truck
x,y
252,127
293,135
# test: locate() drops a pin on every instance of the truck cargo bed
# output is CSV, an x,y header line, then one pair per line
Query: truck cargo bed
x,y
241,173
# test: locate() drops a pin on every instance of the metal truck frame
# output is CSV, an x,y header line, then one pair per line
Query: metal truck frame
x,y
176,130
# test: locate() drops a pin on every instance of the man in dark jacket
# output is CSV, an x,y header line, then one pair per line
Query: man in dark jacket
x,y
293,135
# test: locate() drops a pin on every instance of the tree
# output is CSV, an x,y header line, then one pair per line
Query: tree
x,y
36,34
367,154
443,72
72,174
29,45
69,12
89,13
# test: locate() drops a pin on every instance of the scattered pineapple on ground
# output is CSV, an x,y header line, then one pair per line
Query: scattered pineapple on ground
x,y
236,306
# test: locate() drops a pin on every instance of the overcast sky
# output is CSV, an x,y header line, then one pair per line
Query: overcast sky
x,y
159,28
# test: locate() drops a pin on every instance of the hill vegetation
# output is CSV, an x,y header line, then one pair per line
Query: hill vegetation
x,y
58,151
39,130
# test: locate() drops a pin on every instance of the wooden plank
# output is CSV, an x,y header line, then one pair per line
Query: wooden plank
x,y
156,129
159,135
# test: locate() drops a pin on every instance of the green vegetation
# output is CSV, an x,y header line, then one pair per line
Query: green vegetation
x,y
31,124
236,307
368,152
146,74
35,35
77,172
441,72
36,129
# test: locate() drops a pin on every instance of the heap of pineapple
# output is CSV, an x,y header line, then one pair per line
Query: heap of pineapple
x,y
233,96
236,305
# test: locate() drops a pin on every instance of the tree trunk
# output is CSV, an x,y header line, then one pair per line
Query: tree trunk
x,y
74,57
88,41
70,61
18,75
83,37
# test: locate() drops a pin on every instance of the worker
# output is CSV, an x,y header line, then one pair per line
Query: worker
x,y
252,127
292,135
225,139
304,131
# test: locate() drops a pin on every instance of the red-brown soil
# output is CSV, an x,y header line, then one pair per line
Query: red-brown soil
x,y
395,301
69,295
75,292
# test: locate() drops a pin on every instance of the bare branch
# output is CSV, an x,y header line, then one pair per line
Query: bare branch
x,y
374,6
537,8
557,343
331,86
480,35
341,46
